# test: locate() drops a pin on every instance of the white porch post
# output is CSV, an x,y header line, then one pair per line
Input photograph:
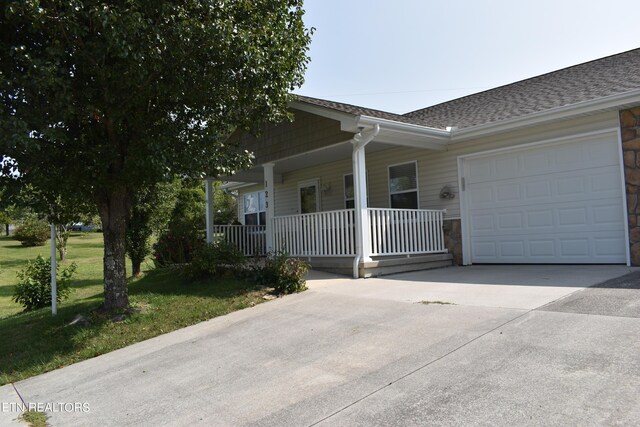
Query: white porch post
x,y
363,230
209,190
269,204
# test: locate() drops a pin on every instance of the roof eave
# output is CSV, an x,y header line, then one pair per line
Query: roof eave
x,y
398,133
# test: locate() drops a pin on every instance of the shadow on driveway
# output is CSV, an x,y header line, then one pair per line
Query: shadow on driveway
x,y
616,297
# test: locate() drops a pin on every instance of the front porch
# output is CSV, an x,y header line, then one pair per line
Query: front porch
x,y
313,193
398,240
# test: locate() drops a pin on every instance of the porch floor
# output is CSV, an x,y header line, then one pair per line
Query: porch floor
x,y
380,266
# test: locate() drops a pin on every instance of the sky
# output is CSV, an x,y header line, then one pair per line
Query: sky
x,y
402,55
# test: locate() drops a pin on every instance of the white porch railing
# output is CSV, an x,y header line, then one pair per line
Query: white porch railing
x,y
406,231
250,239
330,233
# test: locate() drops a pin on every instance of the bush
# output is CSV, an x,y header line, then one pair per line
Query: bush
x,y
285,274
32,232
34,289
216,259
184,235
176,247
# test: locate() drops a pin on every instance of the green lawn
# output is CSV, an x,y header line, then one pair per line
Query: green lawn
x,y
85,249
35,342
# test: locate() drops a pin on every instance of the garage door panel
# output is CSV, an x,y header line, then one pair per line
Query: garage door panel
x,y
605,180
599,182
603,215
540,189
607,215
566,157
599,247
548,204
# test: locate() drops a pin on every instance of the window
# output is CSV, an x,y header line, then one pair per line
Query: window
x,y
254,208
309,196
349,194
403,186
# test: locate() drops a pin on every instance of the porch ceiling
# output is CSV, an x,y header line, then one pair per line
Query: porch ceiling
x,y
318,157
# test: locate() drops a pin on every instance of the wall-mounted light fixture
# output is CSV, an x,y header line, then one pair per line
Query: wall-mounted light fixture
x,y
447,193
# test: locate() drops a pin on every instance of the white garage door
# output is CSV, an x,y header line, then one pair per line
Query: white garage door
x,y
558,203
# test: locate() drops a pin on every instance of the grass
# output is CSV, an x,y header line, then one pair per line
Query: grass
x,y
35,342
85,249
35,419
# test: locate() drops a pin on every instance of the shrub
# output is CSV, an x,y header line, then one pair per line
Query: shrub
x,y
184,235
176,247
32,232
34,288
216,259
285,274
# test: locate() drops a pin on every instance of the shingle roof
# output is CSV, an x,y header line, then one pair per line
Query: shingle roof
x,y
354,109
589,81
585,82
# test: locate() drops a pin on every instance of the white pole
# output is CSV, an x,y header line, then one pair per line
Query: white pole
x,y
54,293
269,199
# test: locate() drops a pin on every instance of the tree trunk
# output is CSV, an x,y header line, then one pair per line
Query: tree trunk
x,y
62,236
112,207
6,228
135,267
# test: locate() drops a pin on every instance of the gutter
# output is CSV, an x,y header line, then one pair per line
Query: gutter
x,y
368,121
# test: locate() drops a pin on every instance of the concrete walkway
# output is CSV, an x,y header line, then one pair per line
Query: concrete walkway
x,y
367,352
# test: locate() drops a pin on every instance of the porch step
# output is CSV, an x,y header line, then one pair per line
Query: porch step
x,y
383,265
335,265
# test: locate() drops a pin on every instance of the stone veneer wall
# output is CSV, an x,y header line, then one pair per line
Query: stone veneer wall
x,y
453,239
630,131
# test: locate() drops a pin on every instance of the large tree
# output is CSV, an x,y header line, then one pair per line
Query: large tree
x,y
102,97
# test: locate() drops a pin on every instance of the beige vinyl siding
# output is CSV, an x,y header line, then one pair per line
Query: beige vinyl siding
x,y
435,168
329,178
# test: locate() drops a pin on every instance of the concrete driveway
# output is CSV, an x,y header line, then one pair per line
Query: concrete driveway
x,y
517,346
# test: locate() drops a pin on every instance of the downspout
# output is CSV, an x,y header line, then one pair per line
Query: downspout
x,y
359,141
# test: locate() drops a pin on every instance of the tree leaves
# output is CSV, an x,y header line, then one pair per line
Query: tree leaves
x,y
97,94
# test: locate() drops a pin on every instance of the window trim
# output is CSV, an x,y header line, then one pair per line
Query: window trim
x,y
417,189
